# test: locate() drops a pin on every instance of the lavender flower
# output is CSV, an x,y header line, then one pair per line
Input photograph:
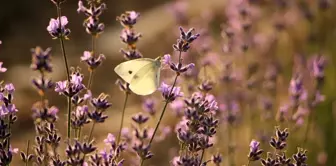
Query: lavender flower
x,y
123,86
2,69
296,90
131,54
92,24
269,161
217,159
140,119
77,99
283,160
42,84
128,19
149,106
206,86
80,117
110,140
93,11
129,37
142,150
170,93
101,102
186,160
41,59
97,116
57,29
42,112
186,38
73,88
91,61
279,141
6,97
300,157
255,152
179,68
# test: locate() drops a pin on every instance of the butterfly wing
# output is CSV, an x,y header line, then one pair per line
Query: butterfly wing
x,y
146,80
128,69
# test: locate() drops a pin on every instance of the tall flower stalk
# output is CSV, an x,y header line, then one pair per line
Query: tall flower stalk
x,y
129,37
170,93
57,30
317,71
93,27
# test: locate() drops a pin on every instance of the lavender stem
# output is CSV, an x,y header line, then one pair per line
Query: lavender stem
x,y
9,130
27,151
202,157
67,72
91,131
93,54
122,117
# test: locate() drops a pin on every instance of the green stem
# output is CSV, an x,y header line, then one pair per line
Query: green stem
x,y
9,130
69,118
67,72
164,109
122,117
93,54
90,79
27,151
202,156
91,131
79,133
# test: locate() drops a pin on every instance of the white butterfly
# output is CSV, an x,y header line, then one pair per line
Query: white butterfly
x,y
142,74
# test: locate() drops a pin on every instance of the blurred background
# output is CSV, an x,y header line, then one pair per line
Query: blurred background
x,y
23,26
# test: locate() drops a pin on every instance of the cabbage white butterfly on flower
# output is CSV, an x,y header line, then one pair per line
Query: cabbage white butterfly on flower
x,y
143,74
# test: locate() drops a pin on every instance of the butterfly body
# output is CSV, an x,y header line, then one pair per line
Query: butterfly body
x,y
143,74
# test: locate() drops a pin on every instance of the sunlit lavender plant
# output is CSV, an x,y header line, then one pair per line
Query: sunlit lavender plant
x,y
57,30
7,119
130,37
171,92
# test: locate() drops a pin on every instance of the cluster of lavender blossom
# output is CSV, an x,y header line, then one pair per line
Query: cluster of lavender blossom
x,y
209,109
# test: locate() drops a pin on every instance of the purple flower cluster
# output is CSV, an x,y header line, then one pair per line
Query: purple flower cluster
x,y
7,118
197,129
141,135
279,156
41,61
92,24
128,35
